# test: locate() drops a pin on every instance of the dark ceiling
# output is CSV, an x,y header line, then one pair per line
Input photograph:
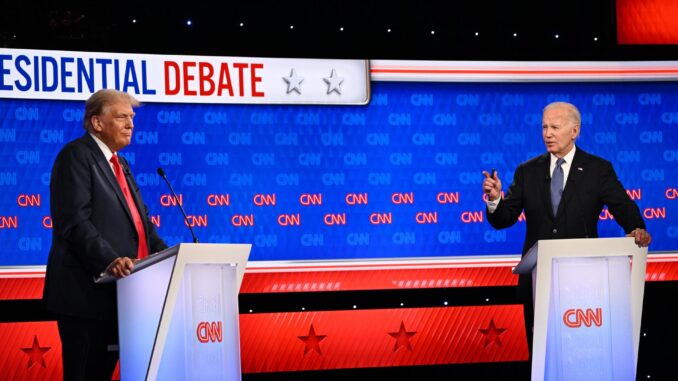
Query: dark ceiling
x,y
450,30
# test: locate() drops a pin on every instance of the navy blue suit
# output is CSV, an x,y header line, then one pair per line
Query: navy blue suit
x,y
92,226
591,184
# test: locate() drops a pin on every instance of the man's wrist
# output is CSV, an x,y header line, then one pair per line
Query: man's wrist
x,y
493,204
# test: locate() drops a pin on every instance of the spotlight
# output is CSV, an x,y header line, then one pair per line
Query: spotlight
x,y
341,28
189,22
477,34
242,24
388,30
515,34
291,26
433,32
557,36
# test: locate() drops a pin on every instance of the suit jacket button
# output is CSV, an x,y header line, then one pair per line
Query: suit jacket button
x,y
555,231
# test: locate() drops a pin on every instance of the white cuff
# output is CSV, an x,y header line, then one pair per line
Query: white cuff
x,y
492,205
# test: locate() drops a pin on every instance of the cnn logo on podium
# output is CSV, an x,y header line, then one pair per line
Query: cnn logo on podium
x,y
575,317
209,332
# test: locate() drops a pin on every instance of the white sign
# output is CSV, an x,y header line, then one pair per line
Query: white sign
x,y
44,74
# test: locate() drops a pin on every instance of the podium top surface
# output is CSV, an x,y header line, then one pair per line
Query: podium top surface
x,y
143,263
206,253
577,247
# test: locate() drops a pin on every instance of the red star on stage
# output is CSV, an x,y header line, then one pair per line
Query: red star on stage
x,y
492,334
402,338
312,341
35,353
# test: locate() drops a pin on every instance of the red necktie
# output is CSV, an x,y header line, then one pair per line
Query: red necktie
x,y
142,250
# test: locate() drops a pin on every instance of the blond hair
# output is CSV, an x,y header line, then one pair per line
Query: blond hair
x,y
97,103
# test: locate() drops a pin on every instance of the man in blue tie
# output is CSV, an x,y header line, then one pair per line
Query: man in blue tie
x,y
562,193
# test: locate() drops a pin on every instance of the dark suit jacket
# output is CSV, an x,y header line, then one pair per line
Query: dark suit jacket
x,y
92,226
591,184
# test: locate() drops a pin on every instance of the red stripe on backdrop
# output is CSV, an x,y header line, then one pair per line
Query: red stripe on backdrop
x,y
660,267
21,288
661,271
389,279
294,341
30,351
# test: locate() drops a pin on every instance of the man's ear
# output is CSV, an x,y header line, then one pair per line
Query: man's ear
x,y
576,132
96,123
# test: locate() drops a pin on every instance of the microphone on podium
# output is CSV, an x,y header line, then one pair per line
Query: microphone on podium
x,y
161,172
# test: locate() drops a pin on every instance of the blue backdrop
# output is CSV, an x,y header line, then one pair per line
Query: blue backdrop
x,y
397,178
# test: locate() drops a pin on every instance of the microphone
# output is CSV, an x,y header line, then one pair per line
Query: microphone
x,y
161,172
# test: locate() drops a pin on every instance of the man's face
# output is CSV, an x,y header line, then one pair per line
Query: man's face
x,y
114,125
558,130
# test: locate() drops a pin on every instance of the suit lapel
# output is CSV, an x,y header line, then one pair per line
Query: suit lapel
x,y
544,169
105,168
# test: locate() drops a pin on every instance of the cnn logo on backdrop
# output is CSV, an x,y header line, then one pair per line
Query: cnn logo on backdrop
x,y
575,317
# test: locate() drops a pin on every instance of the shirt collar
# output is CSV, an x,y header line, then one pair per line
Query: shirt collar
x,y
104,148
568,158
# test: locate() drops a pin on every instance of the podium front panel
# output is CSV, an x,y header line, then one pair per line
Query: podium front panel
x,y
143,294
589,336
203,342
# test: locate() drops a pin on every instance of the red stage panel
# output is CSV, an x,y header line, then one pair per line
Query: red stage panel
x,y
30,351
647,21
295,341
314,279
354,276
19,286
661,268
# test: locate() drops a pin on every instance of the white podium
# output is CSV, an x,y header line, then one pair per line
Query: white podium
x,y
588,301
178,314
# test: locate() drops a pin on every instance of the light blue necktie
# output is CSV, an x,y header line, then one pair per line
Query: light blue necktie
x,y
557,185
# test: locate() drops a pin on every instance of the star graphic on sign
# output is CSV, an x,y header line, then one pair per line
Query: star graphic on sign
x,y
312,341
35,353
492,334
402,338
293,82
333,82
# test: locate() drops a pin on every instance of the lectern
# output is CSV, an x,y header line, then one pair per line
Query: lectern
x,y
178,314
588,300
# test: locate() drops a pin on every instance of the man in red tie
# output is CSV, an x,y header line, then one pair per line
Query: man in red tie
x,y
100,224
